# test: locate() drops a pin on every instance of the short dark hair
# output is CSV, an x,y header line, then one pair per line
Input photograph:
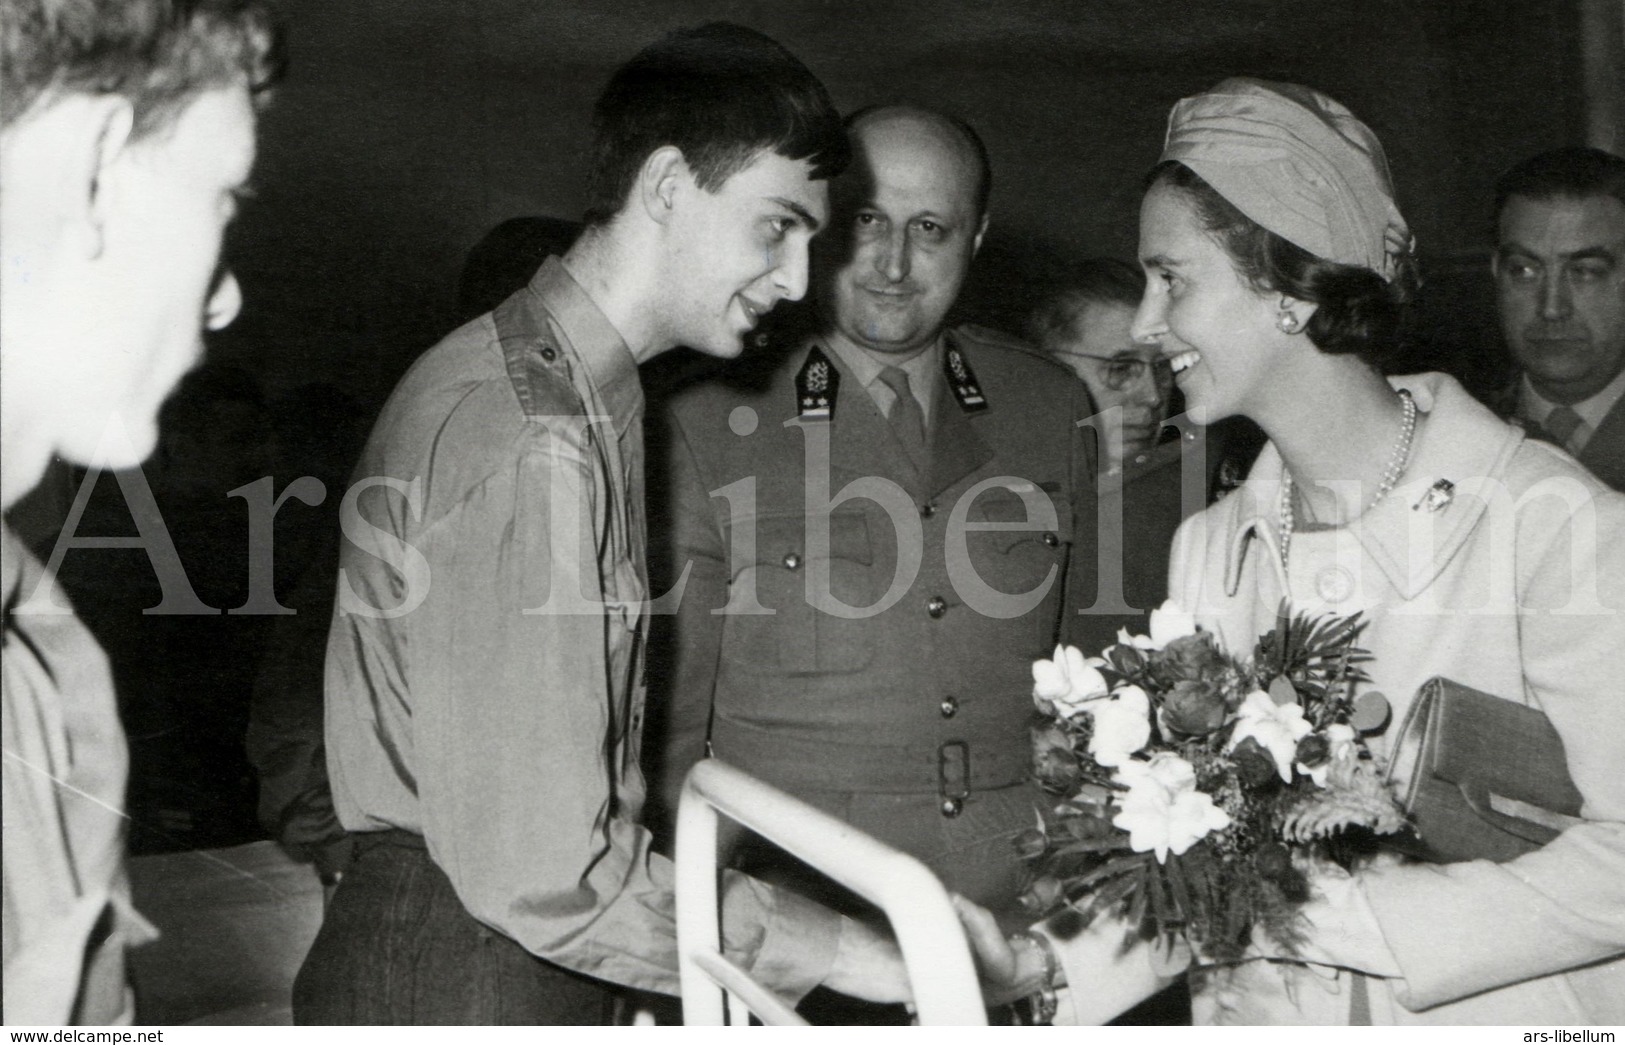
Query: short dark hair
x,y
719,92
984,162
158,54
1574,172
1071,289
1357,312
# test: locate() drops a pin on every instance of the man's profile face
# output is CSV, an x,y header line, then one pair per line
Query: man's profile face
x,y
742,249
1560,285
909,226
117,317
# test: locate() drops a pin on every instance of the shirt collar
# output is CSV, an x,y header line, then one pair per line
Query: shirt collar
x,y
1459,443
922,368
1534,407
586,333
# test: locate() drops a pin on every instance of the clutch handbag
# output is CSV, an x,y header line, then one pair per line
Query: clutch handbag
x,y
1482,778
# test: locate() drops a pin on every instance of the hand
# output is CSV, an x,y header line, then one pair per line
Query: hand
x,y
994,956
868,966
1011,967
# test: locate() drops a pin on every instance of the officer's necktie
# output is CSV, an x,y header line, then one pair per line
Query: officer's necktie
x,y
906,417
1564,425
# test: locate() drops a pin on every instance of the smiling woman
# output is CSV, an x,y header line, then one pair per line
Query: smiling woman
x,y
1276,259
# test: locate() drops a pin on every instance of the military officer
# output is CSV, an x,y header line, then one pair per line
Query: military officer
x,y
877,536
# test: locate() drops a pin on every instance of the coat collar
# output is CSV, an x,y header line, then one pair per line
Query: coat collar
x,y
1458,442
862,438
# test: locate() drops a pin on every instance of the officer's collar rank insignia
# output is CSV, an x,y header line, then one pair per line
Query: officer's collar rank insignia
x,y
962,380
816,386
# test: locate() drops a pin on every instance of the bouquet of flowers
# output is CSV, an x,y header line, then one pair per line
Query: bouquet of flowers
x,y
1192,786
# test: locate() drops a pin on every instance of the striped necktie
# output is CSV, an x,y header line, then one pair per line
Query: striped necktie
x,y
1563,425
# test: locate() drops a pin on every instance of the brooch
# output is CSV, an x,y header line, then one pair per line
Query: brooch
x,y
1439,494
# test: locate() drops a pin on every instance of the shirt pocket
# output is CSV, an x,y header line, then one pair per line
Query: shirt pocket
x,y
782,617
1012,564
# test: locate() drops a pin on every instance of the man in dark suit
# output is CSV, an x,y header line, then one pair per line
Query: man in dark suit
x,y
1560,285
878,536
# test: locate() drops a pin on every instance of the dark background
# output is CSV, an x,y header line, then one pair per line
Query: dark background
x,y
407,129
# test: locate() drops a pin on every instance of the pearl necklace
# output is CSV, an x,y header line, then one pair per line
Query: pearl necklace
x,y
1390,475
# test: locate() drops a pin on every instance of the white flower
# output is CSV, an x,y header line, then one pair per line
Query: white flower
x,y
1068,682
1168,622
1163,812
1141,642
1276,727
1342,755
1122,726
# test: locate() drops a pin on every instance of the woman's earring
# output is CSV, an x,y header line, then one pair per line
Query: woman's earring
x,y
1287,323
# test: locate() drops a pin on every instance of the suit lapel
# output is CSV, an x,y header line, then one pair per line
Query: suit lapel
x,y
1605,451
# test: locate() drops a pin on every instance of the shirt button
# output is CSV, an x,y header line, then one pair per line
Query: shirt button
x,y
952,807
936,606
950,707
549,353
1051,540
928,509
792,561
1334,584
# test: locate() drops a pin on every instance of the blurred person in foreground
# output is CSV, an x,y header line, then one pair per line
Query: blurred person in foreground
x,y
1277,262
126,132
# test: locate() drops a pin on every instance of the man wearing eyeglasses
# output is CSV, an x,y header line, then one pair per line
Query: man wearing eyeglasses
x,y
1083,321
1085,324
879,537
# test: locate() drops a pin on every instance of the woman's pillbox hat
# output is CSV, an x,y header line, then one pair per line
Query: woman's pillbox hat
x,y
1297,163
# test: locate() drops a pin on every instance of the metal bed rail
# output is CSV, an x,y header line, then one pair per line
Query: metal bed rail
x,y
717,992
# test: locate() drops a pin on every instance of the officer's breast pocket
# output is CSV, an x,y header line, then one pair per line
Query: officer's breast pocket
x,y
793,612
1014,555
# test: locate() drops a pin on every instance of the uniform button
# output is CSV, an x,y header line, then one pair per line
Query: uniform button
x,y
792,561
952,807
936,606
928,509
549,353
950,707
1051,540
1334,584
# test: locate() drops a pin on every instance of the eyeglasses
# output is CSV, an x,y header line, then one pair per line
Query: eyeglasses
x,y
1120,372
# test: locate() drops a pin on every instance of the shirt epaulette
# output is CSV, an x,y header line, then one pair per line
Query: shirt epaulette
x,y
987,337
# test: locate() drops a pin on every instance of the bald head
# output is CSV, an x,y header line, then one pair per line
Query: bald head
x,y
909,217
908,125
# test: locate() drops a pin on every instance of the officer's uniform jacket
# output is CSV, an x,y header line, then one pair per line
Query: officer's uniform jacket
x,y
841,668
